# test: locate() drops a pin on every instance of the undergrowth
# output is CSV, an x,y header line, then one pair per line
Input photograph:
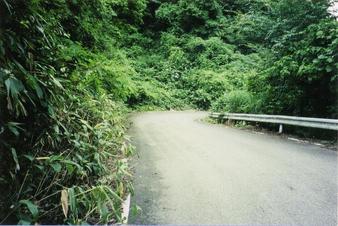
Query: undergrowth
x,y
71,71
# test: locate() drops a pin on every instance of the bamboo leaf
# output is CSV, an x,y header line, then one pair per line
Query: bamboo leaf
x,y
33,209
64,202
56,167
72,200
14,87
15,158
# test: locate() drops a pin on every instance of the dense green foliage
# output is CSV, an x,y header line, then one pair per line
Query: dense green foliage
x,y
284,57
71,70
62,117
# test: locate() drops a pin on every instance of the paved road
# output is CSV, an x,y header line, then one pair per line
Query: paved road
x,y
192,172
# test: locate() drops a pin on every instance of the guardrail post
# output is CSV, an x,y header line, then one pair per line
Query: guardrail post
x,y
280,128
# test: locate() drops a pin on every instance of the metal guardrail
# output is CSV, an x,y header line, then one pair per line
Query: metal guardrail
x,y
321,123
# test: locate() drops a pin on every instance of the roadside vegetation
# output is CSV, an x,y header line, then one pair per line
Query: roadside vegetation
x,y
70,71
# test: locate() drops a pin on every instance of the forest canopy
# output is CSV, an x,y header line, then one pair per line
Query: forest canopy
x,y
70,71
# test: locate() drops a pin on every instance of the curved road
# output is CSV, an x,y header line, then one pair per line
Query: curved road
x,y
192,172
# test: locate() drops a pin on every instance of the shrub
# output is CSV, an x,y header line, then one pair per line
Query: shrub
x,y
238,101
209,53
205,86
152,95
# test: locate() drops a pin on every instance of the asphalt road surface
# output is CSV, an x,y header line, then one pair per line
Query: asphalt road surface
x,y
191,172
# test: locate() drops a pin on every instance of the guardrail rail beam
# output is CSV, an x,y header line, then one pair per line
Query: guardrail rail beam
x,y
320,123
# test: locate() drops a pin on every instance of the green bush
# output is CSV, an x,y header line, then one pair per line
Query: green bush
x,y
205,86
210,53
238,101
104,75
153,95
61,112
